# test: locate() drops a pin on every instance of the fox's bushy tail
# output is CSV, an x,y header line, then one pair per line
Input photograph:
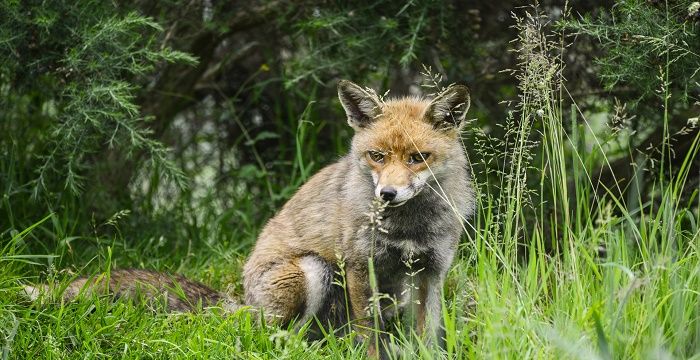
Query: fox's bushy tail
x,y
175,291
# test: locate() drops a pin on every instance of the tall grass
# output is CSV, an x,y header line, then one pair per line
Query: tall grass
x,y
636,299
551,267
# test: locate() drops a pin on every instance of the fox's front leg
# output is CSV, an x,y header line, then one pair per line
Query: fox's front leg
x,y
360,292
429,310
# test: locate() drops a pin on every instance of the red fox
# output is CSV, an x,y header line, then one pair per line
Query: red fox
x,y
405,152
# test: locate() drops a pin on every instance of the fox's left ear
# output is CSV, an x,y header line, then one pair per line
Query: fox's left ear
x,y
449,108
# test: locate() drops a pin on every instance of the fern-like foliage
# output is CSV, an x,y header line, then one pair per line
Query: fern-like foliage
x,y
642,39
71,73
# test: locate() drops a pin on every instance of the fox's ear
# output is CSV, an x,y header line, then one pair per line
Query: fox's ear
x,y
362,107
449,108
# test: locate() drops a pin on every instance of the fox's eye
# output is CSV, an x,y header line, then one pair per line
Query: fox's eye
x,y
418,157
376,156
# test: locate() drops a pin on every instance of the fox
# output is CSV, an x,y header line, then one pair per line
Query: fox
x,y
397,202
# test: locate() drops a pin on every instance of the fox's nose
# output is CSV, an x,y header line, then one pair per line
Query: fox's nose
x,y
388,193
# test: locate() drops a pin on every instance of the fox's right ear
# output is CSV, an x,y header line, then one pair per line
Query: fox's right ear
x,y
361,106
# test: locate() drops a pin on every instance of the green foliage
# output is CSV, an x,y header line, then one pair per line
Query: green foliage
x,y
642,40
379,36
71,73
554,264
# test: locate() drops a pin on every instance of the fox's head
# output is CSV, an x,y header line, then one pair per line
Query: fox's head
x,y
405,144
